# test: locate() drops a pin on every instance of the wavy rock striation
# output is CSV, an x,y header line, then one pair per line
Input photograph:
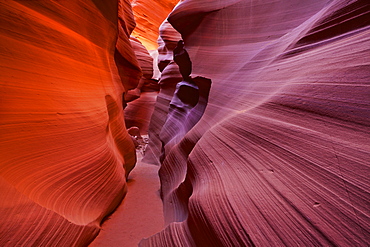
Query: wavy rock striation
x,y
149,15
169,78
65,151
280,156
140,100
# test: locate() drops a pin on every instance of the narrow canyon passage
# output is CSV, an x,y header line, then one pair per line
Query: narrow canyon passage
x,y
141,213
255,116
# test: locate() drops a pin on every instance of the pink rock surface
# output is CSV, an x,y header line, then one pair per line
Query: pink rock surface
x,y
64,149
169,78
281,155
138,112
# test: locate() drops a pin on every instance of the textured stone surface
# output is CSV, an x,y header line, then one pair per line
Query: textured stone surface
x,y
149,15
169,78
64,149
140,100
144,58
281,155
146,66
275,153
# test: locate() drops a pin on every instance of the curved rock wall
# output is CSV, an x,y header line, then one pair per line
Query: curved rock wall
x,y
140,101
281,155
64,150
149,15
168,81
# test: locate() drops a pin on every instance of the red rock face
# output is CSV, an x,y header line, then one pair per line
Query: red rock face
x,y
140,100
64,148
149,15
280,156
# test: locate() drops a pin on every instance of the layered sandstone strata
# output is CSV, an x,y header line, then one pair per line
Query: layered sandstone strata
x,y
149,15
281,155
140,100
64,149
170,76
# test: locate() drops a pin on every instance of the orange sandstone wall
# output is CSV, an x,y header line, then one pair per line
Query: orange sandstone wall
x,y
149,15
140,101
64,150
281,155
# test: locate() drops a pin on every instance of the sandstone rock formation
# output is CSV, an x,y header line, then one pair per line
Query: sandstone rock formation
x,y
140,100
64,149
281,155
149,15
273,150
169,78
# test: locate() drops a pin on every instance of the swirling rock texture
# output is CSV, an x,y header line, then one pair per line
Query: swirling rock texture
x,y
280,156
64,149
170,76
140,100
149,15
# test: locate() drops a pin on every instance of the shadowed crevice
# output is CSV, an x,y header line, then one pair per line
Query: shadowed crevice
x,y
188,103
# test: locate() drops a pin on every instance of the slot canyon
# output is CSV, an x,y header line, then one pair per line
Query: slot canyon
x,y
195,123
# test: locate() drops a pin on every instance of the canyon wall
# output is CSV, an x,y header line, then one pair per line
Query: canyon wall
x,y
64,149
170,76
280,156
149,15
140,100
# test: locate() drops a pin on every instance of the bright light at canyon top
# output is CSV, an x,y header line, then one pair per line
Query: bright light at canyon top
x,y
148,17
